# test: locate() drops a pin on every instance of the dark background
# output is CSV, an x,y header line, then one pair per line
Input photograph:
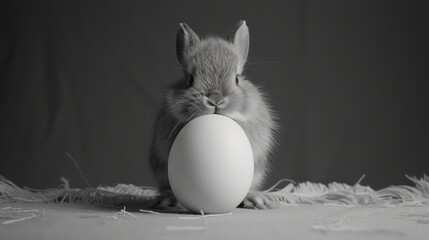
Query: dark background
x,y
348,79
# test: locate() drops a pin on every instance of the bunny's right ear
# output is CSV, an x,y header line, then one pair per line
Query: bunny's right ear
x,y
185,41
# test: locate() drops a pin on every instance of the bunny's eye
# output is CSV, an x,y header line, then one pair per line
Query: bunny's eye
x,y
190,81
237,81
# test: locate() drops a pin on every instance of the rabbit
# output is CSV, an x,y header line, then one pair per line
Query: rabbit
x,y
214,83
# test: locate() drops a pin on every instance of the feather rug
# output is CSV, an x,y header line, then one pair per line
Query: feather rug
x,y
305,193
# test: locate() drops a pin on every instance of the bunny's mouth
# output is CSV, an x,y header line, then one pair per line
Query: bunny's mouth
x,y
222,112
219,111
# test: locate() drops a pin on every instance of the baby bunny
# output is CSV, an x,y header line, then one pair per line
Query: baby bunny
x,y
214,83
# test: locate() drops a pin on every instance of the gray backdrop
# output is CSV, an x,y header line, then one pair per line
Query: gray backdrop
x,y
348,79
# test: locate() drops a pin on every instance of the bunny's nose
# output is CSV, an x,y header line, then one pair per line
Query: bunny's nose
x,y
215,99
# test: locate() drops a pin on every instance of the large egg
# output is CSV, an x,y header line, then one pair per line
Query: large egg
x,y
210,166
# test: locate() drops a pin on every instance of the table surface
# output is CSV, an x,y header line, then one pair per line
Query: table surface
x,y
78,221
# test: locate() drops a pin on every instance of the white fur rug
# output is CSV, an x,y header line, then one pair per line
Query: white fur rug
x,y
306,193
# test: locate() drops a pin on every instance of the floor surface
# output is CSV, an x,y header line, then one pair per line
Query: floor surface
x,y
74,221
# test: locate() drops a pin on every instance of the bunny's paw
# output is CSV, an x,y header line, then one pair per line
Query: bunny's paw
x,y
166,200
259,200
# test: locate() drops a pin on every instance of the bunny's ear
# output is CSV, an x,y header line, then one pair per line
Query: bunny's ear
x,y
239,37
186,39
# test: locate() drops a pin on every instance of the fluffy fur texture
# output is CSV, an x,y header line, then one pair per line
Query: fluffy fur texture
x,y
213,83
301,194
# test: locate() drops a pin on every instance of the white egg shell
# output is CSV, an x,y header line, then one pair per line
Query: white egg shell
x,y
210,166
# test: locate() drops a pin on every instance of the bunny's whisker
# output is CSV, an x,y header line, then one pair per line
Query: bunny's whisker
x,y
174,128
256,69
253,63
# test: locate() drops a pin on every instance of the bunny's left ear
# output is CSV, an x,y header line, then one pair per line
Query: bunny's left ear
x,y
239,37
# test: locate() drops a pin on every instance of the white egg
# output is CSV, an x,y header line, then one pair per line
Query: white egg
x,y
210,166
